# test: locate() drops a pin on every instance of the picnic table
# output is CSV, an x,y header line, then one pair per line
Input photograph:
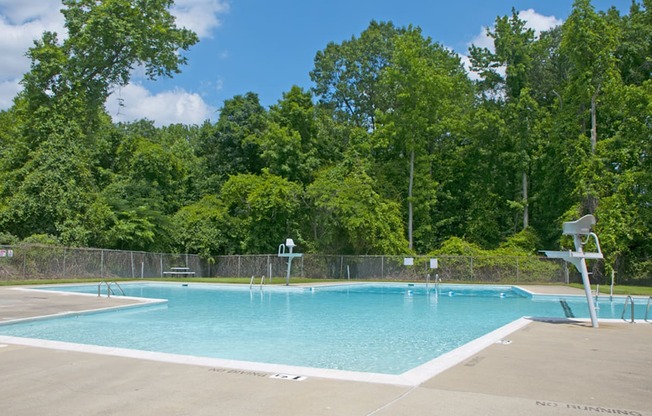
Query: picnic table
x,y
179,271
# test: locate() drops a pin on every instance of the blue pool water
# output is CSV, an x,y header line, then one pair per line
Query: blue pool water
x,y
380,328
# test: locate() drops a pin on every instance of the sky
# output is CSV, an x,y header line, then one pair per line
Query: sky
x,y
262,46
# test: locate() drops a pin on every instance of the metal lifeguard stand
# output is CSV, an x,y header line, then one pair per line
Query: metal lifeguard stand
x,y
578,229
289,244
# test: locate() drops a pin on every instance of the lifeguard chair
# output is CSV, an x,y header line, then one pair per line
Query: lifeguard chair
x,y
581,229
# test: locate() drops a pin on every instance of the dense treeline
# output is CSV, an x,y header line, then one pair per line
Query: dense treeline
x,y
395,149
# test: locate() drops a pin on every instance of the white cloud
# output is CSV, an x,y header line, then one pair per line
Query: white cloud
x,y
23,21
482,39
533,20
21,11
538,22
19,27
8,90
466,62
167,107
199,15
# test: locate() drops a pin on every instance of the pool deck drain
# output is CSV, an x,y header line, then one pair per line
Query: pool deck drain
x,y
561,367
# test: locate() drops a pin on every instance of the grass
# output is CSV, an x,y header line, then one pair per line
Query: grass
x,y
618,289
240,280
621,289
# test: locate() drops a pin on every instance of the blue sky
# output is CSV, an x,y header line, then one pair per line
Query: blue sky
x,y
264,46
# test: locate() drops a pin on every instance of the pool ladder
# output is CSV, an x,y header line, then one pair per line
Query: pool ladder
x,y
437,283
630,301
109,291
262,281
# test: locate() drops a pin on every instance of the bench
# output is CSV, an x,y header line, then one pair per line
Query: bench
x,y
180,271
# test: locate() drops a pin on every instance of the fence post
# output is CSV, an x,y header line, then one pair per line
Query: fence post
x,y
472,274
517,270
64,263
102,264
382,267
161,264
239,264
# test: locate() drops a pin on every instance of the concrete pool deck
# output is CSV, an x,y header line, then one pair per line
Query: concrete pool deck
x,y
545,368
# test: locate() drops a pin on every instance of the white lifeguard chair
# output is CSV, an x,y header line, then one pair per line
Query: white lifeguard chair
x,y
581,229
289,244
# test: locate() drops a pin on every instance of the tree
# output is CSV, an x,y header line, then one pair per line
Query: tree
x,y
230,146
350,216
106,40
346,76
513,45
430,93
58,169
204,228
635,47
264,210
624,218
289,145
590,42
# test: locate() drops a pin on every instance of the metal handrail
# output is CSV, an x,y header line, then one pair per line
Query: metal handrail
x,y
631,302
647,309
251,282
262,281
109,291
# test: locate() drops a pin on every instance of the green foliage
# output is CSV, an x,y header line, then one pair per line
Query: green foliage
x,y
347,75
350,216
264,210
289,145
230,146
42,239
106,40
8,239
455,246
204,228
401,153
525,240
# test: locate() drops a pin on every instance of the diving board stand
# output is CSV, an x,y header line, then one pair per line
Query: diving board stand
x,y
581,229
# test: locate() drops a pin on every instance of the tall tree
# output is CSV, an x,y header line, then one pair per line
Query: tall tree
x,y
589,41
513,44
264,210
61,108
350,216
230,147
289,145
346,75
430,93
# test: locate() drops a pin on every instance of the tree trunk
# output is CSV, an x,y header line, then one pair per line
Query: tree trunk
x,y
526,211
410,199
594,121
592,198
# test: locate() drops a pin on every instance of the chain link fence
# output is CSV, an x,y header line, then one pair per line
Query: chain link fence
x,y
33,262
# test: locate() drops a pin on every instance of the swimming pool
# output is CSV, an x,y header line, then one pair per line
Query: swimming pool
x,y
372,328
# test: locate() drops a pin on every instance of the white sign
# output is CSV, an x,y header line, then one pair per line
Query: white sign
x,y
408,261
434,264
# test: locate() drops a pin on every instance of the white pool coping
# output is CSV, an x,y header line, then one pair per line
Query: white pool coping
x,y
412,377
